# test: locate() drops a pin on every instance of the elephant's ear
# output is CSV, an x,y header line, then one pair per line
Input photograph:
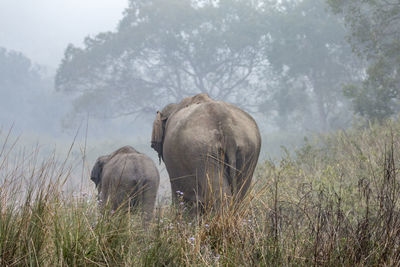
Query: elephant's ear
x,y
97,170
157,135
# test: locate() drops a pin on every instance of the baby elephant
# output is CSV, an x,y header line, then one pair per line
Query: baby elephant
x,y
126,177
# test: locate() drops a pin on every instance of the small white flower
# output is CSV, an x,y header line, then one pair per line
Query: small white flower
x,y
206,225
179,192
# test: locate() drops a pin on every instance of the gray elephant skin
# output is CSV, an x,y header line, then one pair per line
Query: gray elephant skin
x,y
210,150
125,178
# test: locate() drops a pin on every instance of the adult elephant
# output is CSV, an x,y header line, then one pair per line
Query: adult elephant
x,y
125,178
210,149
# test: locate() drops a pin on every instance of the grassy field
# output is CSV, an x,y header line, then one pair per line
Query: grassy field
x,y
333,202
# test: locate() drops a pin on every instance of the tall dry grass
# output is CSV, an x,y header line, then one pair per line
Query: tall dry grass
x,y
334,202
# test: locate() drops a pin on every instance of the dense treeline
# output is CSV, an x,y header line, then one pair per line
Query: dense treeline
x,y
286,60
374,34
299,65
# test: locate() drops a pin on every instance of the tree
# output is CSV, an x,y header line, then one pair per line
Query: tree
x,y
18,81
286,59
375,36
16,70
165,50
310,52
26,97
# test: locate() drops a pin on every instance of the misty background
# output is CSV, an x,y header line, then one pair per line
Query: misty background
x,y
92,74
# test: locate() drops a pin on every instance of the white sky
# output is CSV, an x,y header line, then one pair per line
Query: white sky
x,y
41,29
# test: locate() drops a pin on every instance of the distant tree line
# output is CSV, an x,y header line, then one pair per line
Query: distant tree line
x,y
27,98
374,27
288,60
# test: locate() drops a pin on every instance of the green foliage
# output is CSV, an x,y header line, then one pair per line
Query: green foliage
x,y
309,52
375,36
334,202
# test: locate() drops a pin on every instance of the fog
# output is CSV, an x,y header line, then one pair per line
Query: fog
x,y
41,29
93,73
34,113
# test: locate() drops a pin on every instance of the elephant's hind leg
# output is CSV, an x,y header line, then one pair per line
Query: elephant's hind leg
x,y
217,187
148,199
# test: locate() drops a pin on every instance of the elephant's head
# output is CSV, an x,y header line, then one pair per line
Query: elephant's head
x,y
97,170
157,137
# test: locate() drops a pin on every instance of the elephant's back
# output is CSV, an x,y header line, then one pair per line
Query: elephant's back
x,y
191,126
131,167
203,126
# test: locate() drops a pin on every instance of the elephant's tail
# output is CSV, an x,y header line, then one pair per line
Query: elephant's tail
x,y
237,169
231,167
229,155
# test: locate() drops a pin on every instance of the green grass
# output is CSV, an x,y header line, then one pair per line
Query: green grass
x,y
333,202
